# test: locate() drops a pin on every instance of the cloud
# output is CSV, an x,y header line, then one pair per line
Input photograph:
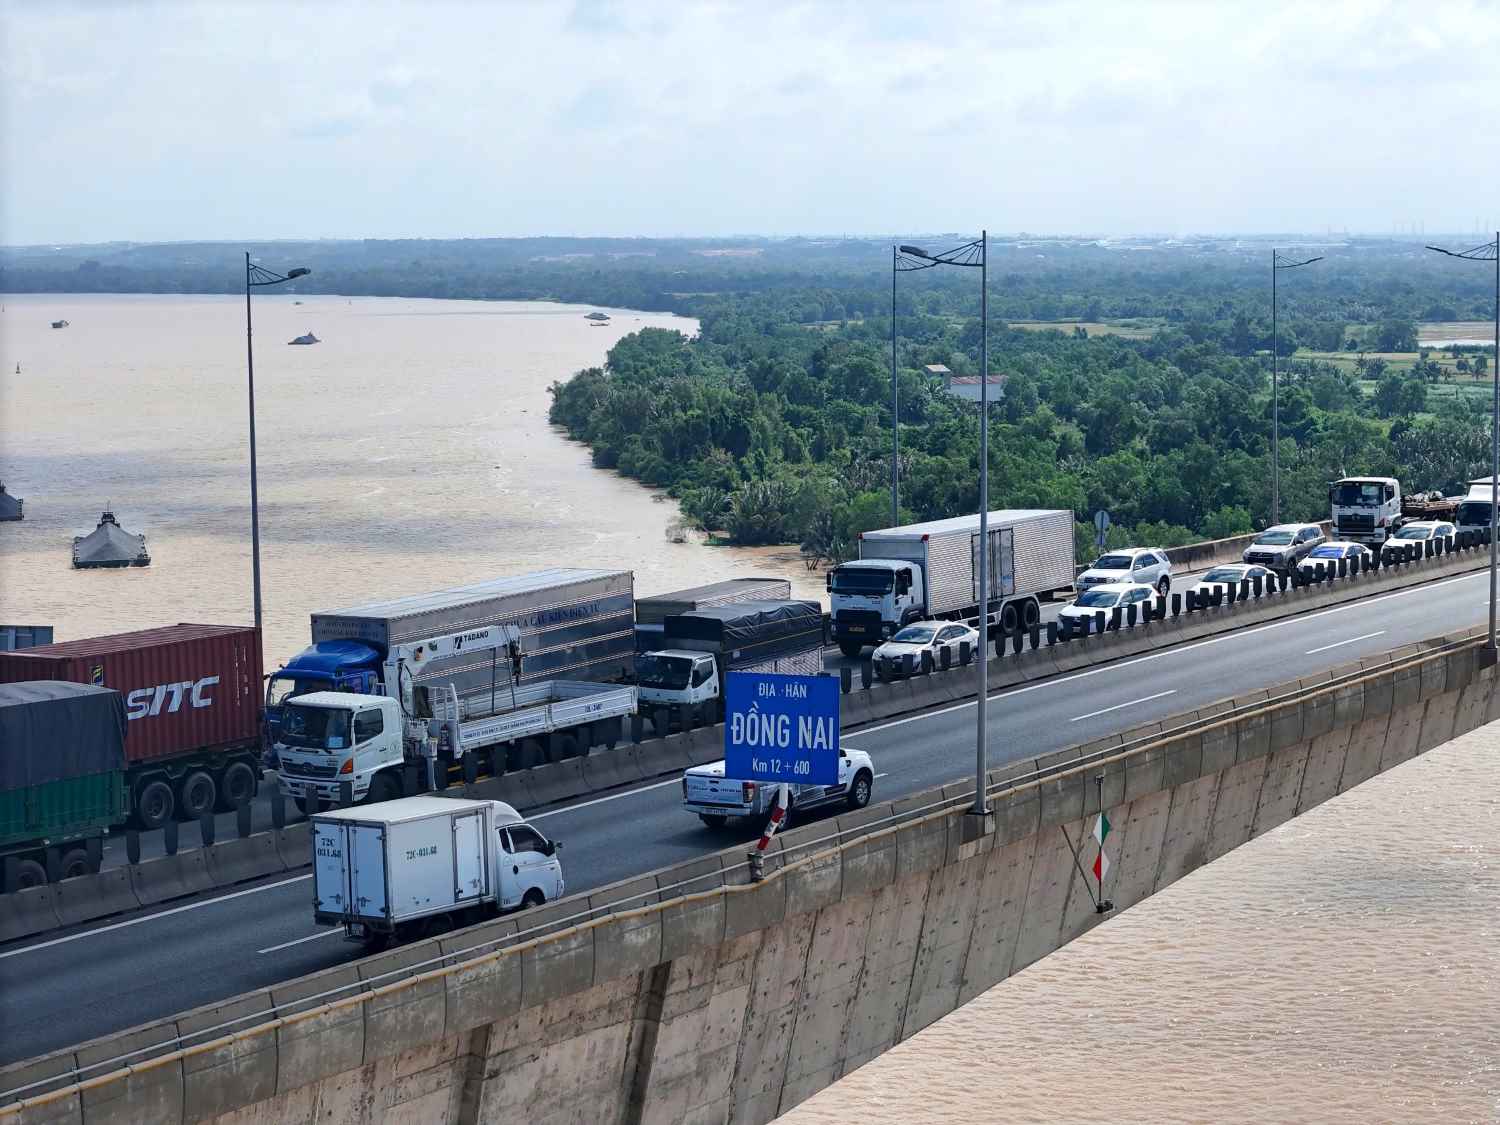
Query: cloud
x,y
779,116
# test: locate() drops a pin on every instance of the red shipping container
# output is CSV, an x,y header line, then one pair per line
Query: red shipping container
x,y
187,688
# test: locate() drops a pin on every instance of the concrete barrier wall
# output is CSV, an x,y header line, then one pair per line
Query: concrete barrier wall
x,y
1196,556
740,1000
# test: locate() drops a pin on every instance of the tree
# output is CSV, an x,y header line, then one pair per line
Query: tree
x,y
1399,394
1396,334
1227,522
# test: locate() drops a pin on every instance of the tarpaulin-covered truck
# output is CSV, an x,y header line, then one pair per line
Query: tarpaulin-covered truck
x,y
62,779
702,647
192,706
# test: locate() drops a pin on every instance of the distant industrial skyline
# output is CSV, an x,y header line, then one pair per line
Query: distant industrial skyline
x,y
240,120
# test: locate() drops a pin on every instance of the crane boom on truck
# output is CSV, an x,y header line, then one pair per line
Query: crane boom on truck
x,y
327,738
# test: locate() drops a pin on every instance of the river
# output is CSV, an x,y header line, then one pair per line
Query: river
x,y
408,451
1344,967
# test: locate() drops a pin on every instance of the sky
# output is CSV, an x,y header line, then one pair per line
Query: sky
x,y
268,119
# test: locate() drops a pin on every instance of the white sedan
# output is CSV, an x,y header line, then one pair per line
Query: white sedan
x,y
1106,599
1329,554
931,637
1230,575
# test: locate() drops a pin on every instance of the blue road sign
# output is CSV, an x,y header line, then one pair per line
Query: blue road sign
x,y
782,728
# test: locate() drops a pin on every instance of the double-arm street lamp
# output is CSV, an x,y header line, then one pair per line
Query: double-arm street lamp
x,y
974,255
1278,263
1490,252
255,277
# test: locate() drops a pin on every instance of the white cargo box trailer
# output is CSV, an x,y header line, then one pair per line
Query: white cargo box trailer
x,y
392,869
931,570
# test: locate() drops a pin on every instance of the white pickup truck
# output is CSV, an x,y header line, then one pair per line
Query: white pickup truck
x,y
716,798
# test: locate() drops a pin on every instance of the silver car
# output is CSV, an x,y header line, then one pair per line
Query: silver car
x,y
1148,565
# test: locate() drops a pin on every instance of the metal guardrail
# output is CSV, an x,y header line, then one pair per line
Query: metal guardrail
x,y
436,968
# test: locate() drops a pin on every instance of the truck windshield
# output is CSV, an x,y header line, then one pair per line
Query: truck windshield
x,y
1357,494
861,580
319,728
285,687
670,672
1474,513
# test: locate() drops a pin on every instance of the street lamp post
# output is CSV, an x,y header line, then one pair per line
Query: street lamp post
x,y
1278,263
255,277
1487,252
974,255
895,402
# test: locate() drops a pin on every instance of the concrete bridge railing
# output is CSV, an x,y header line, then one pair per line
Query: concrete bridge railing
x,y
695,994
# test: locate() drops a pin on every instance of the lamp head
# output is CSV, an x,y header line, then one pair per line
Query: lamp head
x,y
300,271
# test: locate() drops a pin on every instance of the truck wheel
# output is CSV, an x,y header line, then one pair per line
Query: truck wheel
x,y
240,782
75,862
1031,613
711,820
1010,619
532,898
196,795
308,808
29,873
383,787
661,721
859,792
851,649
154,804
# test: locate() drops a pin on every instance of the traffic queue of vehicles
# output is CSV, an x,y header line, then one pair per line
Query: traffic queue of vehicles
x,y
390,698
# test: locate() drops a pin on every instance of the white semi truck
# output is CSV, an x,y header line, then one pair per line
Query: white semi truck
x,y
425,864
326,738
1370,510
931,570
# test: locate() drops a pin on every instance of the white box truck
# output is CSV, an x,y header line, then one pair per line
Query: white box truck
x,y
931,570
421,865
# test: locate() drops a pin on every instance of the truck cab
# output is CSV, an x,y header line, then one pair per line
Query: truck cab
x,y
344,666
1365,509
326,738
870,599
679,677
1473,512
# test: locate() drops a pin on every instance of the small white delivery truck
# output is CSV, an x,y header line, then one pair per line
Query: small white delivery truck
x,y
421,865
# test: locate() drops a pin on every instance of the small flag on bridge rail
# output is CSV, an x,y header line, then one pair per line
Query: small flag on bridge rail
x,y
778,814
1101,862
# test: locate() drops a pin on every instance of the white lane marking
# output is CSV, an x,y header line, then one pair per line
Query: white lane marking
x,y
1115,665
299,941
1341,644
878,776
1119,706
601,800
154,917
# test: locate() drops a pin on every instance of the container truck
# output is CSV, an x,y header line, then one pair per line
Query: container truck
x,y
62,779
192,705
705,645
1371,510
931,570
652,612
573,625
425,864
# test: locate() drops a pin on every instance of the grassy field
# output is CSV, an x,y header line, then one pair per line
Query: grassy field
x,y
1395,361
1483,330
1139,329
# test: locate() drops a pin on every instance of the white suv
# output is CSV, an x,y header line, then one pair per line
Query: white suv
x,y
1148,565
